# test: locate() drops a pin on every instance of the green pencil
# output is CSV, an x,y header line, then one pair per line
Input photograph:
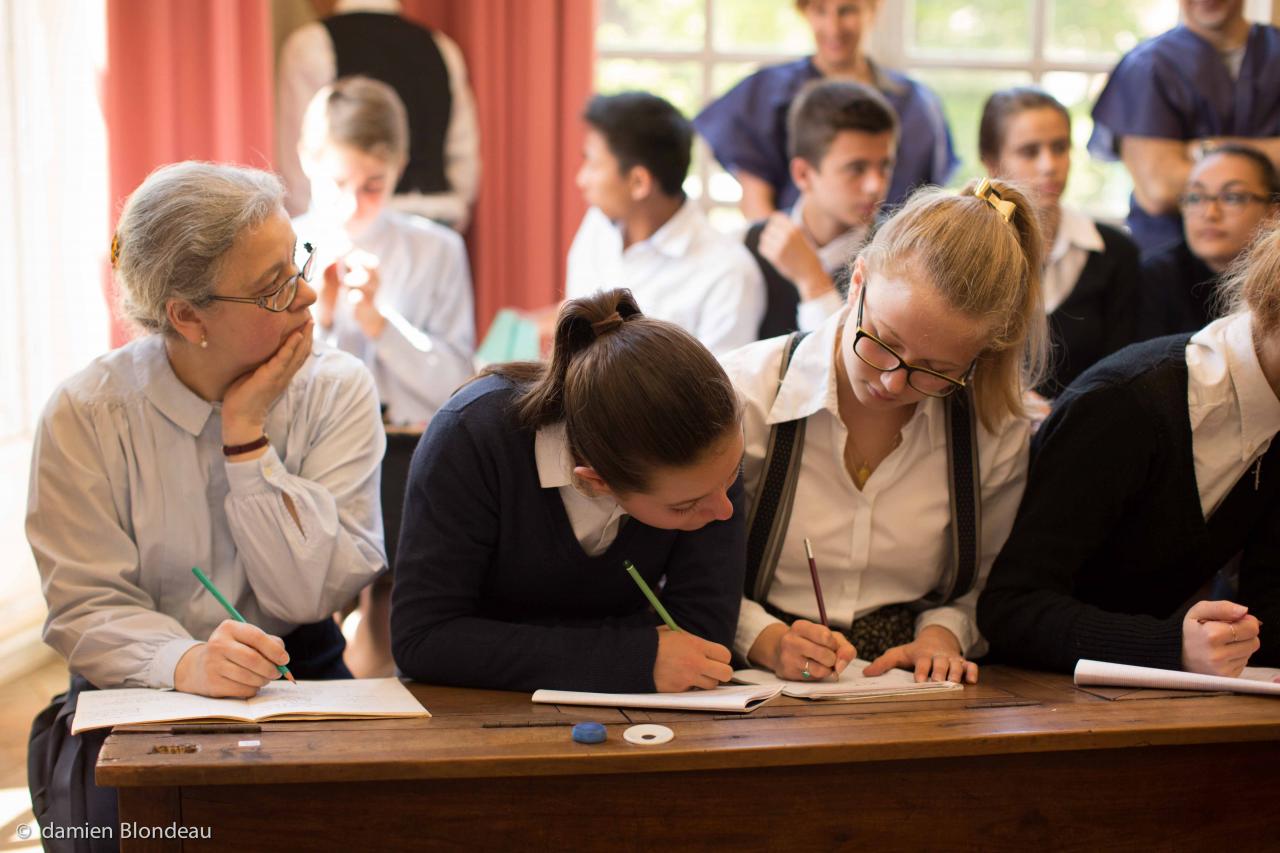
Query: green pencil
x,y
235,614
648,593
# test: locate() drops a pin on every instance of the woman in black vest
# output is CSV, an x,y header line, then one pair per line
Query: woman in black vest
x,y
536,484
1156,475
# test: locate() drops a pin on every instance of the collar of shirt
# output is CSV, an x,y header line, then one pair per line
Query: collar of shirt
x,y
388,7
840,250
165,390
1227,344
810,384
675,236
555,466
1075,229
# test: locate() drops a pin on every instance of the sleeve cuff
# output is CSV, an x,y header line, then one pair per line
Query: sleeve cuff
x,y
752,619
256,476
812,313
160,674
958,624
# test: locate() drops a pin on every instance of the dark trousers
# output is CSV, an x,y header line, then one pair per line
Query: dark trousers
x,y
60,765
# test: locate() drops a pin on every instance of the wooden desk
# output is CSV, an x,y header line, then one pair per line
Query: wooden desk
x,y
1023,760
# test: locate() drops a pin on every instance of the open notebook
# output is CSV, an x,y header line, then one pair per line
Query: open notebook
x,y
279,700
726,700
852,684
1252,680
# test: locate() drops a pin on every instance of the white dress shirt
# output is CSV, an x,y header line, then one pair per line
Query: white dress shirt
x,y
834,256
1233,410
307,64
595,520
424,352
686,273
1077,237
890,542
129,489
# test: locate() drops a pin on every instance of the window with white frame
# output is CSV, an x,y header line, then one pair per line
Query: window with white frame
x,y
691,51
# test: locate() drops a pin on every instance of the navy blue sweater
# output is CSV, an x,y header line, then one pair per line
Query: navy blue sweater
x,y
493,590
1110,545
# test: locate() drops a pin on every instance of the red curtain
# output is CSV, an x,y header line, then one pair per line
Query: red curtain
x,y
531,66
189,80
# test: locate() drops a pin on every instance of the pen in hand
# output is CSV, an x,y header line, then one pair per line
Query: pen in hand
x,y
235,614
817,592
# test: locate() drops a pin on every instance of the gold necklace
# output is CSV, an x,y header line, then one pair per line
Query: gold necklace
x,y
863,470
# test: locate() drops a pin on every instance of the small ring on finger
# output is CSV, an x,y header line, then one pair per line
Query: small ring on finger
x,y
805,673
1235,638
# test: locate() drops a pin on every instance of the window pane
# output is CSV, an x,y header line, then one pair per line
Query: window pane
x,y
968,28
678,82
651,25
1103,30
726,75
760,26
962,94
1101,189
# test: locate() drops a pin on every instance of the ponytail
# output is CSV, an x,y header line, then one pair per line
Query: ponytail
x,y
634,393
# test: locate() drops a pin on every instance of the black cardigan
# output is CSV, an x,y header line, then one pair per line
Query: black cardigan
x,y
1110,542
493,590
1177,293
1100,315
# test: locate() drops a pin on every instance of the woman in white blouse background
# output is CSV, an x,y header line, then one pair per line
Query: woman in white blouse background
x,y
945,299
218,440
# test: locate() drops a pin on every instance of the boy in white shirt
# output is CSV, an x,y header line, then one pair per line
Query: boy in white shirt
x,y
644,234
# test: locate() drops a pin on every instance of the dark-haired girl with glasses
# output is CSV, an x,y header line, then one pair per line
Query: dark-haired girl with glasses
x,y
216,440
1229,194
1150,530
944,301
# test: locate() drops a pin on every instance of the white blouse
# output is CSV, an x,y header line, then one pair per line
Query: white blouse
x,y
129,489
1077,236
424,352
595,520
1234,412
890,542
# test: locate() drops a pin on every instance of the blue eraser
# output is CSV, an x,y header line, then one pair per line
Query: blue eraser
x,y
589,733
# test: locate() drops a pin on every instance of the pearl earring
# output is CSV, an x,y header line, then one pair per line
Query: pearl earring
x,y
204,342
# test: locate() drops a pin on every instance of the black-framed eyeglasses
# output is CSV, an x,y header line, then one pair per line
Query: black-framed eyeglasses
x,y
1232,200
282,297
878,355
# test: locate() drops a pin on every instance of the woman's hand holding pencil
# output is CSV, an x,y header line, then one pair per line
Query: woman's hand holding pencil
x,y
236,662
791,650
238,659
685,662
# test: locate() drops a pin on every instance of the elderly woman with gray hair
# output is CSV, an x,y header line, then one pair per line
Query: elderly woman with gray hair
x,y
218,440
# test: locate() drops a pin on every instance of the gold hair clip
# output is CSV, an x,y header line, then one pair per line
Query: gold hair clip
x,y
988,193
115,250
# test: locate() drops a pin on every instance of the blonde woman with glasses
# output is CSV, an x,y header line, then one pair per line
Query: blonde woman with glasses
x,y
893,441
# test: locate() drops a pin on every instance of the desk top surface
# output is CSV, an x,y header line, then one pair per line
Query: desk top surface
x,y
484,733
